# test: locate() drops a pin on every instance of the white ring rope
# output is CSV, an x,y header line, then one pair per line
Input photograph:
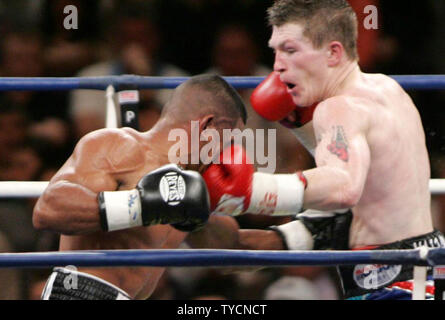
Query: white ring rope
x,y
437,186
32,189
22,189
111,110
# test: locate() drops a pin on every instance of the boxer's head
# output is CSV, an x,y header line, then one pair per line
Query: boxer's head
x,y
199,108
314,41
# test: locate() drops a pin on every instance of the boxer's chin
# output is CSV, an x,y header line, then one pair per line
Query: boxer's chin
x,y
301,101
296,98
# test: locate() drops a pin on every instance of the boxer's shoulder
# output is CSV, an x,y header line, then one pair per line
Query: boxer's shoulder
x,y
383,79
110,134
340,110
380,86
111,149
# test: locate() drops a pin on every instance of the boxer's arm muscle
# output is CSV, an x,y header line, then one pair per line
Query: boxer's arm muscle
x,y
220,232
252,239
223,232
342,156
69,204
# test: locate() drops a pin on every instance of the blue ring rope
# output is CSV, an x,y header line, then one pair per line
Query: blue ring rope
x,y
408,82
217,258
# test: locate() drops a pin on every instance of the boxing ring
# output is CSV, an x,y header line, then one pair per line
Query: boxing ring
x,y
421,258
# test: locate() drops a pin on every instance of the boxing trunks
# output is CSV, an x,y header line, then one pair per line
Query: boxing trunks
x,y
68,284
388,282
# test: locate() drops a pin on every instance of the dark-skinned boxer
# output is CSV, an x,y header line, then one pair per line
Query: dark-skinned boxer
x,y
118,190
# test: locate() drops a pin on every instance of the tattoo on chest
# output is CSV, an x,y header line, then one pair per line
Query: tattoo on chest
x,y
339,143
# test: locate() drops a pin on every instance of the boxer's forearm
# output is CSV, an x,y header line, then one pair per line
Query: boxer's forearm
x,y
330,188
220,232
67,208
250,239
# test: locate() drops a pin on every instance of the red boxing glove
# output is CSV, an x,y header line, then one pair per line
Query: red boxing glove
x,y
235,188
230,181
299,117
271,99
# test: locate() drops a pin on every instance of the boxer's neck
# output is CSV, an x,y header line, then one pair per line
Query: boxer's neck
x,y
160,147
341,78
157,141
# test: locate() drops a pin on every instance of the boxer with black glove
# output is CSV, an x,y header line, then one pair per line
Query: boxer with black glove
x,y
123,181
167,195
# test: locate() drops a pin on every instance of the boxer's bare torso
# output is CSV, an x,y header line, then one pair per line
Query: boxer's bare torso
x,y
386,149
370,145
111,159
371,156
117,159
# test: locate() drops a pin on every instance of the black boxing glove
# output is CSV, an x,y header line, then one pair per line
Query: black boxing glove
x,y
167,195
317,230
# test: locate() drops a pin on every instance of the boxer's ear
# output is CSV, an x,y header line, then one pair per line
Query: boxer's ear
x,y
206,122
335,53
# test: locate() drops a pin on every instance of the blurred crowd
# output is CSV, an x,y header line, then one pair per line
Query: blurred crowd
x,y
178,38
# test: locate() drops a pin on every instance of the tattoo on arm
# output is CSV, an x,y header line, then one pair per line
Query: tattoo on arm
x,y
339,144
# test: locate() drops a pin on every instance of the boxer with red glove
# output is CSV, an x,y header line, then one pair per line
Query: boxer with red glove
x,y
235,188
272,101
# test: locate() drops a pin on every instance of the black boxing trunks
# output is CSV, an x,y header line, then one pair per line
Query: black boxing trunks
x,y
68,284
388,282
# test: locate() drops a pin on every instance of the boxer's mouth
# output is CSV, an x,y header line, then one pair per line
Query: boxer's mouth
x,y
290,85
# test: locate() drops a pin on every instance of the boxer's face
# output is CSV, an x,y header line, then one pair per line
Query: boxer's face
x,y
209,157
302,68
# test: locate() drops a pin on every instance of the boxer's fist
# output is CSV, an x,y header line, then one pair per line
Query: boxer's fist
x,y
230,182
271,99
317,230
235,188
167,195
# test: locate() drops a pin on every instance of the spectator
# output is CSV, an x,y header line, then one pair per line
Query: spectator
x,y
9,278
149,111
13,129
69,50
235,52
135,43
22,56
25,163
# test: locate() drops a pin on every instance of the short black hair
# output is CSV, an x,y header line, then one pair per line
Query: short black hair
x,y
223,94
